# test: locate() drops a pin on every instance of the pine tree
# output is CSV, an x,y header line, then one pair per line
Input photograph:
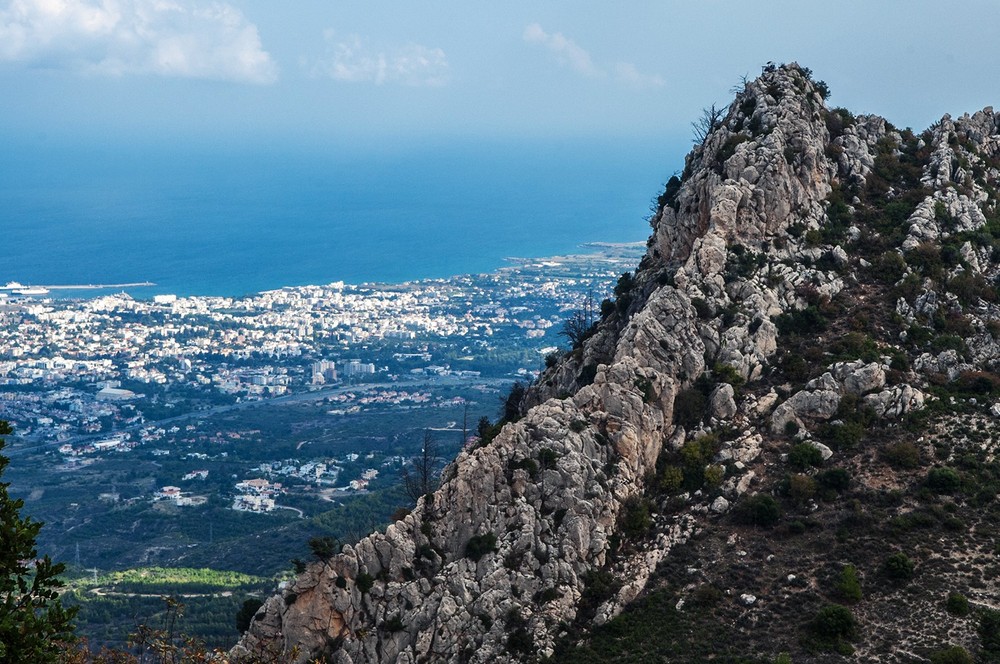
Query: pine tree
x,y
32,619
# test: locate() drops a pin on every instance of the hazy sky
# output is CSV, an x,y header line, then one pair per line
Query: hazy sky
x,y
316,71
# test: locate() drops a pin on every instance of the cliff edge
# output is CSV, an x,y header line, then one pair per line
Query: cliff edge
x,y
717,359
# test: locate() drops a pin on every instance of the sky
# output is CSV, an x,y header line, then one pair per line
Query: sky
x,y
381,72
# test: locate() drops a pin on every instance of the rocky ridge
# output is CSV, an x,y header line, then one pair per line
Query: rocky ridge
x,y
690,392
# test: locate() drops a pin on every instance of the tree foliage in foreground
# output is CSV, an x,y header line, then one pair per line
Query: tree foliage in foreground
x,y
32,619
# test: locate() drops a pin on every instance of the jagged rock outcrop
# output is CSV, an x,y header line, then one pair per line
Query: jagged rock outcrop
x,y
749,245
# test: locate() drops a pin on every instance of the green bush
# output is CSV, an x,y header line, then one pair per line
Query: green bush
x,y
696,453
834,622
671,479
246,613
804,456
713,475
842,436
801,488
898,567
728,149
480,545
645,388
925,258
726,373
635,520
902,454
957,604
547,458
324,548
758,510
849,585
806,322
943,480
889,267
529,465
837,479
952,655
364,582
989,630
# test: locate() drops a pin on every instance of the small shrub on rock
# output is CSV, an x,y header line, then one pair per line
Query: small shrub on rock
x,y
480,545
671,479
635,520
519,641
889,267
324,548
714,475
393,624
364,582
726,373
804,455
547,458
702,308
689,407
806,322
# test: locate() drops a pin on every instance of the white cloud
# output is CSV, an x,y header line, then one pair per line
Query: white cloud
x,y
351,60
572,55
566,50
178,38
627,73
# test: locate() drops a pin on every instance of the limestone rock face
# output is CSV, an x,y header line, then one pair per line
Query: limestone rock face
x,y
858,377
721,402
896,401
736,252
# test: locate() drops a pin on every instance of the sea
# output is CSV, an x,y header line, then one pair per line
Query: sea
x,y
241,219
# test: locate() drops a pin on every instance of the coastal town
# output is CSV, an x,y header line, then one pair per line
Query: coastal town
x,y
282,403
71,368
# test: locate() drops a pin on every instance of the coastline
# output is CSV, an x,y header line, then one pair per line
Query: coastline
x,y
143,290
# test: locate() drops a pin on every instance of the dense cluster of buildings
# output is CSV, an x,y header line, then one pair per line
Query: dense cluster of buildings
x,y
72,367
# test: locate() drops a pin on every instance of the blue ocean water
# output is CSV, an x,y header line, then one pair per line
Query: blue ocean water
x,y
240,220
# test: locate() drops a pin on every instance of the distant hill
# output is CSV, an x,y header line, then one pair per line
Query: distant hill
x,y
777,443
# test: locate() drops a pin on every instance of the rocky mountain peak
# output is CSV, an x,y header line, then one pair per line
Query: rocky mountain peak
x,y
811,276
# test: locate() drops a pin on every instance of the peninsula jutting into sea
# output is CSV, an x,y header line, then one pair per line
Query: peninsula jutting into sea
x,y
18,288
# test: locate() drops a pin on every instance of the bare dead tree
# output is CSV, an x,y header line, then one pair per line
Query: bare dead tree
x,y
709,121
742,86
580,324
420,474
